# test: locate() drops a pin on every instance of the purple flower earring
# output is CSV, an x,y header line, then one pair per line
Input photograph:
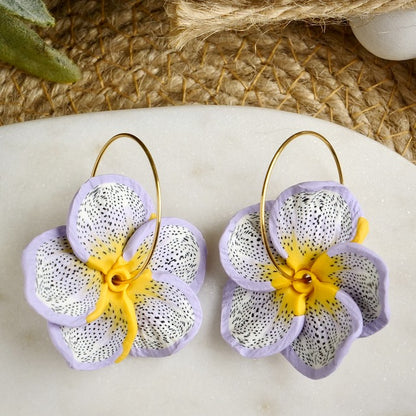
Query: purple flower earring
x,y
301,283
117,279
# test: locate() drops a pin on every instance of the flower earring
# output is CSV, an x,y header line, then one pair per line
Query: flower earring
x,y
301,283
117,279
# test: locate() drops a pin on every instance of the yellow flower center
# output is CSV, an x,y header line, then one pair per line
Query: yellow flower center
x,y
296,286
304,279
118,275
116,290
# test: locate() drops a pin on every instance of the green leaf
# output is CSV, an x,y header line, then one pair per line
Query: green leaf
x,y
25,49
34,11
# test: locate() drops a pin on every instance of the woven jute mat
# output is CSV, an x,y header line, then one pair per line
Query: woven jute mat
x,y
126,55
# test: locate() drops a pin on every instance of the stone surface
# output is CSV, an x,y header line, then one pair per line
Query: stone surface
x,y
211,162
389,36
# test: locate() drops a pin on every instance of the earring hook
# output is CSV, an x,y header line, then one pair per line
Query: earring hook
x,y
158,197
267,180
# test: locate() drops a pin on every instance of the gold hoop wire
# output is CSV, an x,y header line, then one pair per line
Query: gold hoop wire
x,y
267,180
158,197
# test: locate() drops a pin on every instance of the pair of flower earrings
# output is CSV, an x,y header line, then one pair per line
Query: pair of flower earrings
x,y
118,279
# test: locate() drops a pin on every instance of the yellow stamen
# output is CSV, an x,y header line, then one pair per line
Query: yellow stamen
x,y
121,296
117,274
105,258
323,296
294,301
298,257
279,282
324,268
362,230
101,304
130,317
103,264
309,282
302,287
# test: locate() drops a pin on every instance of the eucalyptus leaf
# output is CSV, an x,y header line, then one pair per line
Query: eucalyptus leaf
x,y
34,11
25,49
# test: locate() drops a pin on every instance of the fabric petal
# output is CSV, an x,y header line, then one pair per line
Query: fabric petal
x,y
168,314
57,285
363,275
257,324
242,252
96,344
310,217
180,250
326,336
104,213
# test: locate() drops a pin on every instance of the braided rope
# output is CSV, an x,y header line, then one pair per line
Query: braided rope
x,y
200,19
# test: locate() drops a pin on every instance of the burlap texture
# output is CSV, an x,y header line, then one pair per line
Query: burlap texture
x,y
124,52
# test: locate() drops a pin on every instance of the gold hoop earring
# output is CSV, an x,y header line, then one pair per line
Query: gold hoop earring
x,y
300,281
111,281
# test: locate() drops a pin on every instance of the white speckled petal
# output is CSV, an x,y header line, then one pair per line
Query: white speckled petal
x,y
326,336
58,285
168,315
93,345
180,250
257,324
104,213
242,252
311,217
363,275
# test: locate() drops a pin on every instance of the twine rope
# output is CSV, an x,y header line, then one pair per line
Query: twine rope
x,y
193,19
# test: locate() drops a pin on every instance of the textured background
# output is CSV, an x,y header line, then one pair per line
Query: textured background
x,y
124,51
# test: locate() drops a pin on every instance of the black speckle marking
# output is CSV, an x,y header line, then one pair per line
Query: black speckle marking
x,y
326,327
65,284
177,252
360,279
98,340
318,220
107,217
246,250
258,319
163,319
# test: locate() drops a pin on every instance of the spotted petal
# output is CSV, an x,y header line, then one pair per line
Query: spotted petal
x,y
310,217
168,315
363,275
255,323
327,334
104,214
98,343
242,252
180,250
59,286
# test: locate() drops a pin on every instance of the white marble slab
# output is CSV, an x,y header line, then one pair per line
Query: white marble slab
x,y
211,161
